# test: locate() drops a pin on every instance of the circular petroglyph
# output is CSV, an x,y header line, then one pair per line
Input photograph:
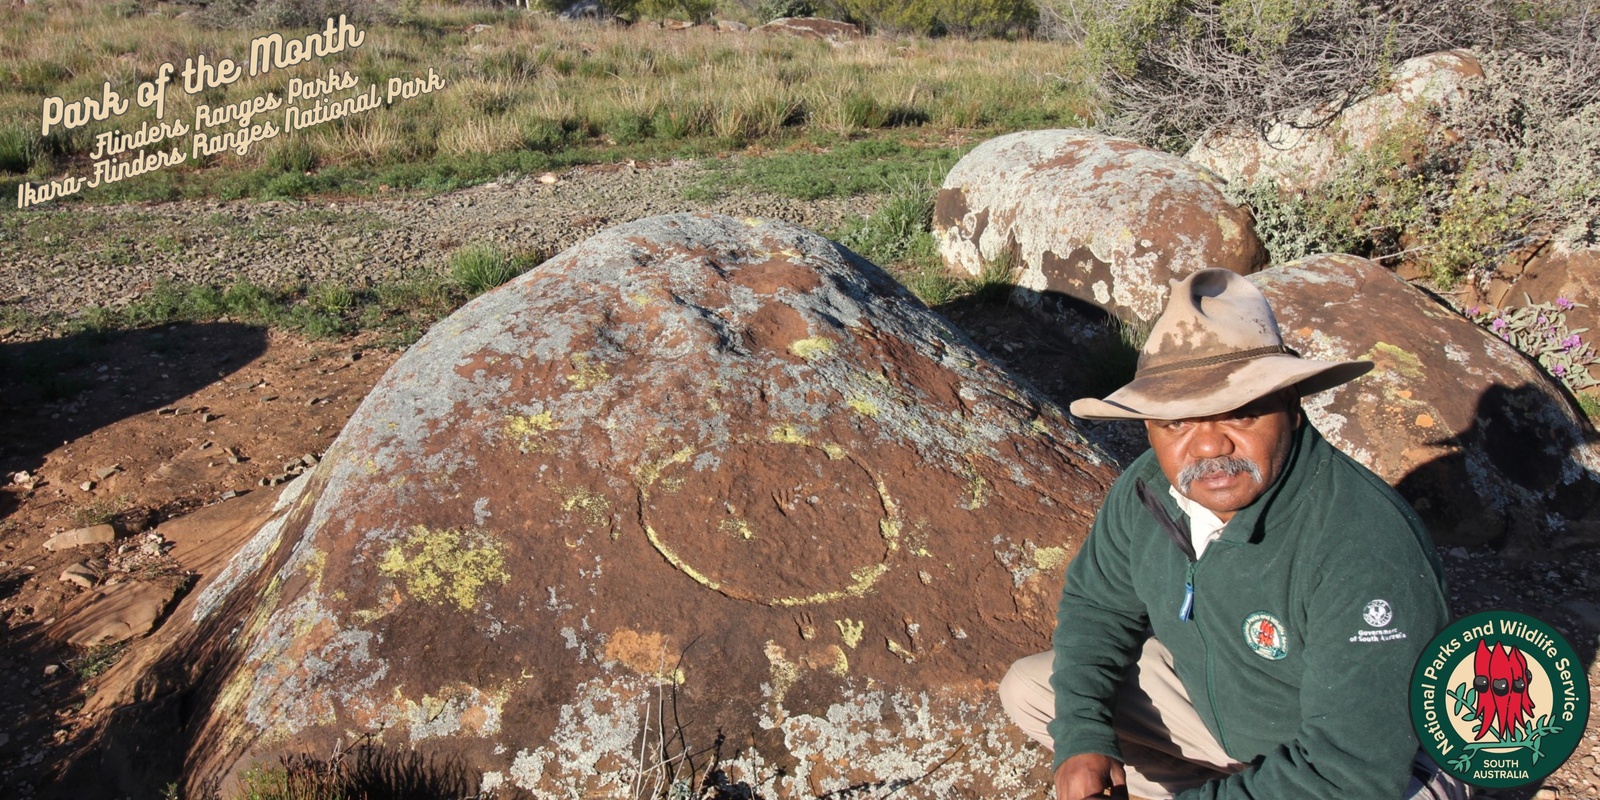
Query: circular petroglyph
x,y
776,523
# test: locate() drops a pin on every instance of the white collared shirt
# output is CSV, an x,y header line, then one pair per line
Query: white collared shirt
x,y
1204,526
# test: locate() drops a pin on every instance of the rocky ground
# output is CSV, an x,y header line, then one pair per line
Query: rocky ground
x,y
134,428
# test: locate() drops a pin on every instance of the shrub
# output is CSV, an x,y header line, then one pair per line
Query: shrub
x,y
1540,331
770,10
1171,70
939,17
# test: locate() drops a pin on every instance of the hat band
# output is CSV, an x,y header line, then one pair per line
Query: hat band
x,y
1210,361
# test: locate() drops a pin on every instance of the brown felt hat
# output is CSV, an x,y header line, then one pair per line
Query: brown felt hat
x,y
1215,348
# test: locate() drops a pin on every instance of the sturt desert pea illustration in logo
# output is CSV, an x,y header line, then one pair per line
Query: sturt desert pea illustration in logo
x,y
1264,634
1499,699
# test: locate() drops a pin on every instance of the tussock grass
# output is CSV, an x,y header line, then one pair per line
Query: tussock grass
x,y
527,94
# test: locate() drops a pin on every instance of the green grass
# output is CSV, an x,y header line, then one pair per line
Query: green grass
x,y
97,659
478,268
868,166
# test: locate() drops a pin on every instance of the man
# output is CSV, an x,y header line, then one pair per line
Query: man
x,y
1243,619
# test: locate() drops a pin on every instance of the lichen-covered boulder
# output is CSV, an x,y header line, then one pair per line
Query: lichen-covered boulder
x,y
697,486
1089,218
1474,435
1302,153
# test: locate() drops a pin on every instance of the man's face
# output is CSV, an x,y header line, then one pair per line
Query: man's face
x,y
1225,461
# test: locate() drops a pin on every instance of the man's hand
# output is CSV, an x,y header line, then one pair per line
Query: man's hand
x,y
1090,775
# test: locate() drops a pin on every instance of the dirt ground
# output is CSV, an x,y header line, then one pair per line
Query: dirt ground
x,y
138,427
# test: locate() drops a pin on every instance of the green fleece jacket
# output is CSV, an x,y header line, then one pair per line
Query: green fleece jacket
x,y
1305,619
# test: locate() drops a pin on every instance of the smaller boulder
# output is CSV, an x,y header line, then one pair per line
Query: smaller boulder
x,y
78,537
732,26
114,614
1101,221
1300,154
813,28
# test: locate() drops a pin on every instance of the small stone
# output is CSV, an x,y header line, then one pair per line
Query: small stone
x,y
51,669
80,574
108,472
233,455
309,459
264,482
94,534
230,494
268,398
166,411
205,445
208,417
1459,552
548,178
87,486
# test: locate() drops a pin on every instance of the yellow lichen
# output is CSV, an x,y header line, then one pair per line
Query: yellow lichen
x,y
841,662
737,527
787,434
1050,558
1394,359
528,430
590,373
592,506
899,650
863,406
650,471
835,452
811,349
850,631
447,566
641,299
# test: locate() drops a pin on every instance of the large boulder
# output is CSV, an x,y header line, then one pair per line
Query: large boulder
x,y
1479,440
696,486
1085,218
1298,154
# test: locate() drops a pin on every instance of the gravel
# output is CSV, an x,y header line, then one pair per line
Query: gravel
x,y
65,259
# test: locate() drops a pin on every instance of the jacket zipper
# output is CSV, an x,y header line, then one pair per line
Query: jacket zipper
x,y
1186,610
1180,537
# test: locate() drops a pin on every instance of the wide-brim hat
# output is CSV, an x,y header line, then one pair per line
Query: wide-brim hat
x,y
1216,347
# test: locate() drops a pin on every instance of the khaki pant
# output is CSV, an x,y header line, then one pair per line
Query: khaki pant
x,y
1166,747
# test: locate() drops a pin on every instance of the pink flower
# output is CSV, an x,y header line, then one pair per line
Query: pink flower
x,y
1499,323
1558,370
1571,342
1563,303
1472,312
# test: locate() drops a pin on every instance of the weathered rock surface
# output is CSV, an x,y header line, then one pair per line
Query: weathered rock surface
x,y
114,613
812,28
1095,219
78,537
1478,438
709,476
1301,154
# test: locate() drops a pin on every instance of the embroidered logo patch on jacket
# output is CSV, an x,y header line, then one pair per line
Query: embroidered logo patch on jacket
x,y
1266,636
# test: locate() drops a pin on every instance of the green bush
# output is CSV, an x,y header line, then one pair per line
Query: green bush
x,y
770,10
19,150
939,17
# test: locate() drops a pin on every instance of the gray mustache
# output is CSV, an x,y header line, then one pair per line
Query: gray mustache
x,y
1221,465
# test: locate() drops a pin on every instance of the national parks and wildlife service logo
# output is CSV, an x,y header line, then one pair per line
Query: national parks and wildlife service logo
x,y
1499,699
1265,635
